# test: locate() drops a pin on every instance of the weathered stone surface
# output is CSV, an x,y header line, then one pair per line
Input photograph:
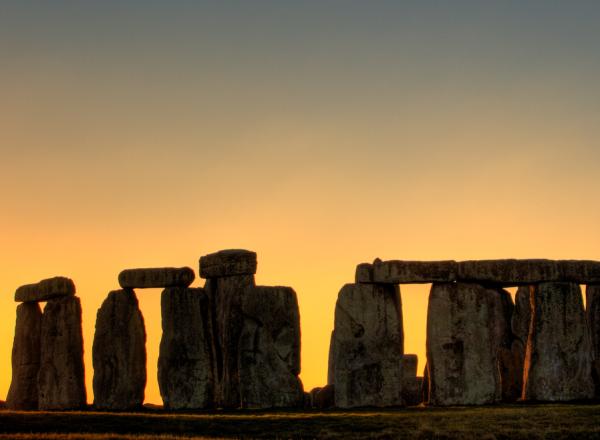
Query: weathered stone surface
x,y
227,263
509,272
325,397
119,353
426,384
406,272
270,349
467,324
367,346
156,277
225,297
61,377
23,391
592,302
579,271
411,385
558,357
185,363
46,289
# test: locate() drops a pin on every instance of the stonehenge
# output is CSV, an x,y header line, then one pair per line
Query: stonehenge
x,y
47,357
232,344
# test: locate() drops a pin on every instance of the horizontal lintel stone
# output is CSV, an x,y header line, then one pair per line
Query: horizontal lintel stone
x,y
158,277
228,262
46,289
505,272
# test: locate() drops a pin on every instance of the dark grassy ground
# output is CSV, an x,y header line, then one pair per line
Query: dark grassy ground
x,y
499,422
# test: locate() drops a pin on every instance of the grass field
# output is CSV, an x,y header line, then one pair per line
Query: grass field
x,y
500,422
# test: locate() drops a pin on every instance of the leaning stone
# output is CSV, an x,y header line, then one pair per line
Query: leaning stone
x,y
156,277
225,297
228,263
368,344
592,302
413,272
61,377
23,391
185,363
45,290
508,272
558,357
269,347
119,353
467,324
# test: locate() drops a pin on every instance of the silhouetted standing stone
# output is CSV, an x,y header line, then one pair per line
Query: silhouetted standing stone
x,y
466,326
119,353
45,290
185,368
411,385
226,296
61,376
558,358
592,293
368,344
270,349
23,392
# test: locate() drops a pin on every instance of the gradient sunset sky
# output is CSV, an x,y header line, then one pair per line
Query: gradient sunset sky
x,y
319,134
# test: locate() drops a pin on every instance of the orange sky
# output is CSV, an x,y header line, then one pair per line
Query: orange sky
x,y
318,135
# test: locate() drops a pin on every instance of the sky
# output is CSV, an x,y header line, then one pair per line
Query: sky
x,y
320,134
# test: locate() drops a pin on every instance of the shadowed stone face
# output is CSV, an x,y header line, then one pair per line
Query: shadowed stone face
x,y
592,303
558,356
45,290
23,392
467,325
156,277
119,353
367,346
185,364
61,376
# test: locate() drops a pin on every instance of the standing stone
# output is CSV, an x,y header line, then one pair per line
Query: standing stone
x,y
270,349
467,324
592,295
119,353
185,368
558,357
23,392
411,385
61,376
368,345
226,297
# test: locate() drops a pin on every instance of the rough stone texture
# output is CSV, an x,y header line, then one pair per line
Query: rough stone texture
x,y
508,272
228,263
467,324
23,391
426,384
579,271
225,297
61,377
325,397
592,302
185,363
270,349
406,272
411,385
46,289
521,318
119,353
558,357
367,346
156,277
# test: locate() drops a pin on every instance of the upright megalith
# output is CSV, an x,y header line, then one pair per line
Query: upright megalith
x,y
61,376
23,392
255,335
592,311
119,353
558,356
467,325
411,384
269,361
156,277
185,363
367,346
